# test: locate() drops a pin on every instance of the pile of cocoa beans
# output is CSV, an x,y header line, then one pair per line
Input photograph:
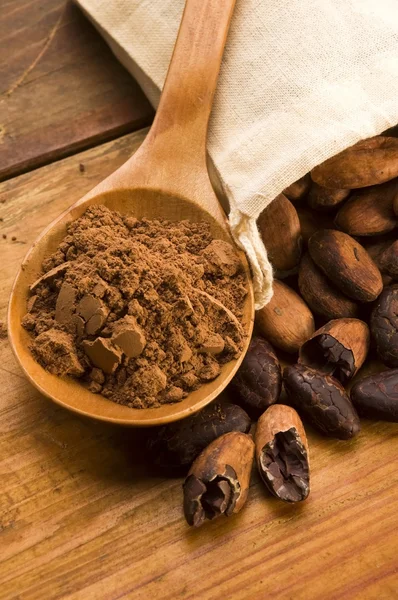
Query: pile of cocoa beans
x,y
332,240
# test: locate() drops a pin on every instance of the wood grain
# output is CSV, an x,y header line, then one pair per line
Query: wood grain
x,y
82,518
61,89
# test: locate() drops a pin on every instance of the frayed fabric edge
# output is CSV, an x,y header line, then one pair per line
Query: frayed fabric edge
x,y
246,235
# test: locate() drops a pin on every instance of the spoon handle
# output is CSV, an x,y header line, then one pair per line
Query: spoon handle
x,y
173,155
180,125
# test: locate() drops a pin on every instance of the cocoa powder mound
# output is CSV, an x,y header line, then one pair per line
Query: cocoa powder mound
x,y
141,311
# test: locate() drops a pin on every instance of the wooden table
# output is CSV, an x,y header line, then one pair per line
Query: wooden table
x,y
80,517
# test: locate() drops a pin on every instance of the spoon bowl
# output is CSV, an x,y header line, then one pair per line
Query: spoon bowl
x,y
166,179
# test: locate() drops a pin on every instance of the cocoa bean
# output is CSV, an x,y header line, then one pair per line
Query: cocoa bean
x,y
286,321
284,251
339,348
218,481
321,295
387,280
376,396
258,381
299,189
282,453
375,247
388,261
369,211
369,162
322,400
321,198
345,262
178,444
384,326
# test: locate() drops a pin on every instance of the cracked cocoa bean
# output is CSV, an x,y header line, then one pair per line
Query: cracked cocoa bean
x,y
339,348
218,481
282,453
258,381
323,400
178,444
376,396
384,326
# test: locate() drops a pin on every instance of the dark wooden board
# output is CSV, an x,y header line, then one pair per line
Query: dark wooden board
x,y
61,89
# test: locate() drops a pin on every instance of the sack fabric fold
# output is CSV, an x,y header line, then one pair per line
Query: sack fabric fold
x,y
300,81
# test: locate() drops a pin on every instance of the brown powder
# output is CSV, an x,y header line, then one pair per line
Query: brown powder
x,y
141,311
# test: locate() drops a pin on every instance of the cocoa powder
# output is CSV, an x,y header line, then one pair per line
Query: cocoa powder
x,y
141,311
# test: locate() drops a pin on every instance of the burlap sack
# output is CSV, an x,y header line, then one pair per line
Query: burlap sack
x,y
300,81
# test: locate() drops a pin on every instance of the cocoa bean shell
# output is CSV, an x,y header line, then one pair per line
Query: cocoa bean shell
x,y
322,198
346,263
298,190
286,321
369,162
384,326
322,400
258,382
369,211
228,460
320,294
339,348
376,396
178,444
279,227
282,453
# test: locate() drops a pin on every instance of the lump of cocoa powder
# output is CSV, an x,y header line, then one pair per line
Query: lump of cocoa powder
x,y
142,311
222,258
55,350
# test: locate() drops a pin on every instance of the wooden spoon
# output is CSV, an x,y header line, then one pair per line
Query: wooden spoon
x,y
166,178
